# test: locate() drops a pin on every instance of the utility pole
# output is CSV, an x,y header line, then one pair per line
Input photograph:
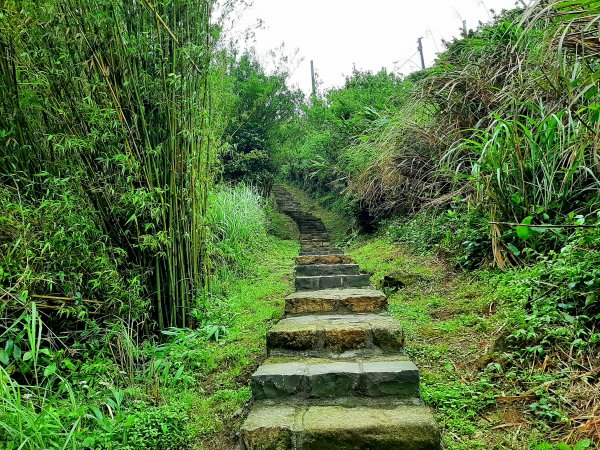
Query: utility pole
x,y
420,49
313,79
465,29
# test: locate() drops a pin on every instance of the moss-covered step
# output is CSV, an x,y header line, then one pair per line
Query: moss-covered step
x,y
325,301
319,249
280,378
323,259
387,427
304,270
321,252
315,245
304,283
315,236
335,335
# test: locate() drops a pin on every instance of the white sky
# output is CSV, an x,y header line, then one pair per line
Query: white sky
x,y
338,34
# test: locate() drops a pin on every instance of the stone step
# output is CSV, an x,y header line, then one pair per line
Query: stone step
x,y
306,217
336,335
311,229
336,301
323,259
280,378
308,221
314,238
321,251
326,269
340,427
315,244
303,217
304,283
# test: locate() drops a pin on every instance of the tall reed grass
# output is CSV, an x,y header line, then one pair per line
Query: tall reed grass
x,y
238,221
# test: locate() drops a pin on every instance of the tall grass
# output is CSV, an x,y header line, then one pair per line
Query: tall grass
x,y
238,222
26,412
534,166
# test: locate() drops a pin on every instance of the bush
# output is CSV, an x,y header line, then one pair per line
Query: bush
x,y
146,428
459,233
563,304
52,243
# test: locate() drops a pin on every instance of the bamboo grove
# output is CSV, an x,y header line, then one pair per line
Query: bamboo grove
x,y
114,96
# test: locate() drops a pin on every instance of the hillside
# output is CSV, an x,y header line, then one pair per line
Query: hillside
x,y
144,259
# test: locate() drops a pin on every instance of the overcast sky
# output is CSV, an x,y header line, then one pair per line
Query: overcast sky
x,y
340,34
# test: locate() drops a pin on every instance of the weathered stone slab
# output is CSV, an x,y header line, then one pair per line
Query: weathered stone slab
x,y
335,334
406,427
323,259
304,283
272,428
332,379
337,427
321,251
389,377
293,336
279,378
349,300
326,269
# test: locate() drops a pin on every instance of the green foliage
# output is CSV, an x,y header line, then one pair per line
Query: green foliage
x,y
460,402
526,166
490,389
143,428
506,118
238,222
52,242
261,104
255,166
563,304
459,233
581,445
109,391
115,95
317,149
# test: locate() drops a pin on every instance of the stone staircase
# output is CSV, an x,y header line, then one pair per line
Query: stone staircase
x,y
336,376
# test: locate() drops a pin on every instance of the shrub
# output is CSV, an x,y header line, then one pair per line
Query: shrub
x,y
459,233
563,305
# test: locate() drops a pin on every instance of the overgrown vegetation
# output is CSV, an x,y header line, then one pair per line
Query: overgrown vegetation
x,y
136,149
127,259
505,122
108,390
499,363
488,160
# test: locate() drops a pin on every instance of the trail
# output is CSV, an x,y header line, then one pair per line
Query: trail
x,y
336,376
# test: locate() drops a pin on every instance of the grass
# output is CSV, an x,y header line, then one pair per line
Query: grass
x,y
257,302
185,388
456,326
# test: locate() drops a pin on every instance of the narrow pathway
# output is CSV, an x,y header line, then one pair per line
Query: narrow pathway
x,y
336,376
